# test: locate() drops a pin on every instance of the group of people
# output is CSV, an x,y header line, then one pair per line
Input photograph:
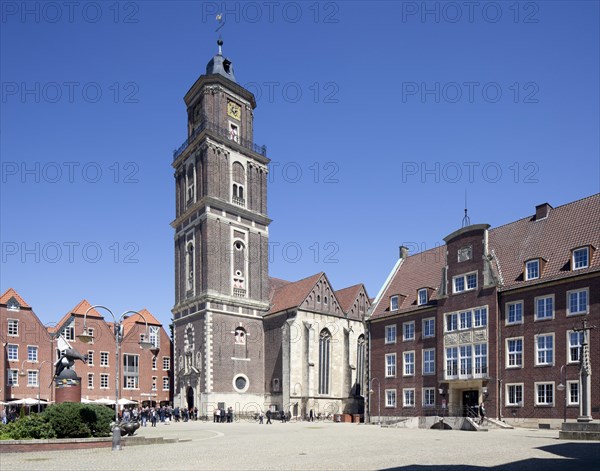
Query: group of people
x,y
164,414
221,414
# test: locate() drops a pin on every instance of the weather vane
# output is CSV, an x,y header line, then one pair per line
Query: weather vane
x,y
221,22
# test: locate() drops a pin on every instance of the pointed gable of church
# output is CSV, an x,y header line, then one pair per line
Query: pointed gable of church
x,y
321,298
354,301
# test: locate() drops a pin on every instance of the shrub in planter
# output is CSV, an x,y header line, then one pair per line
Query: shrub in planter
x,y
74,420
26,428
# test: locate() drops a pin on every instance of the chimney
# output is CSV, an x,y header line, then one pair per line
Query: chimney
x,y
542,211
403,251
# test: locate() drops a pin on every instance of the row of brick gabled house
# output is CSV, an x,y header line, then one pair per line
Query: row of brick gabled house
x,y
495,316
30,350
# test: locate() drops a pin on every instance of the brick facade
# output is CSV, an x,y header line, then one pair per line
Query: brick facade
x,y
513,361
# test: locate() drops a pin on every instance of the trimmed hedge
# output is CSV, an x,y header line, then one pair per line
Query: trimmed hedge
x,y
66,420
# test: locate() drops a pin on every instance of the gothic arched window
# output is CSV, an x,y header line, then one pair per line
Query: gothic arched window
x,y
190,181
324,361
240,336
360,366
189,263
239,268
238,175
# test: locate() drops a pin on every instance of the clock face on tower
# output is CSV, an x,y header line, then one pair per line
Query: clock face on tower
x,y
233,110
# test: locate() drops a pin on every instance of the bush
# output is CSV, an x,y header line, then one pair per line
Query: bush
x,y
26,428
75,420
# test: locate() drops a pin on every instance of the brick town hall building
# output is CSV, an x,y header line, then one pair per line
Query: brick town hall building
x,y
493,315
243,339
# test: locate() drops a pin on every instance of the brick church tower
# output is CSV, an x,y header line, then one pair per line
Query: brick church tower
x,y
221,247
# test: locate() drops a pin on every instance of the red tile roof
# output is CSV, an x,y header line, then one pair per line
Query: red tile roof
x,y
79,310
567,227
130,321
347,296
552,238
10,293
290,295
417,271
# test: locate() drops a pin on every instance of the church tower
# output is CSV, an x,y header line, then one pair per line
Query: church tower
x,y
221,247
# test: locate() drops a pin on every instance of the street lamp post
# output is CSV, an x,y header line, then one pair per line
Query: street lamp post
x,y
378,399
562,387
85,337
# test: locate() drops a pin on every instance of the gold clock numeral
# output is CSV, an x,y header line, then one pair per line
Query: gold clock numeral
x,y
233,110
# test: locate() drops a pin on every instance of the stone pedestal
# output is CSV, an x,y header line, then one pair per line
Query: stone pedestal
x,y
580,431
67,387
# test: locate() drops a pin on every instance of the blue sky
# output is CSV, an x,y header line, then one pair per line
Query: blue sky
x,y
378,116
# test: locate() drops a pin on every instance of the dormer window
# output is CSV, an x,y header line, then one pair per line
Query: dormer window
x,y
394,303
13,305
465,253
422,297
581,258
532,269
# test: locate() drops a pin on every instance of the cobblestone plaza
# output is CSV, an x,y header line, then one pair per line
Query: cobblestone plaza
x,y
323,445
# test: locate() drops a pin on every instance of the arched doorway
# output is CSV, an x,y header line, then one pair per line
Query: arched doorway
x,y
190,398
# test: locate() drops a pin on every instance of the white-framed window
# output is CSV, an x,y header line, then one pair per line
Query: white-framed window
x,y
390,333
154,382
573,393
13,352
451,322
104,358
480,350
154,362
422,297
480,317
68,331
577,302
90,380
408,330
514,313
13,327
581,258
166,363
131,371
466,282
465,253
409,363
429,327
13,305
390,365
574,341
514,395
429,361
13,377
103,381
90,357
544,307
390,398
90,332
166,383
532,269
154,334
408,397
466,320
428,397
544,394
466,360
32,353
451,362
544,349
32,378
234,132
394,303
514,352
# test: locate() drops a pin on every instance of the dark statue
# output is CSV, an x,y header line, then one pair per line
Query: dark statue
x,y
67,360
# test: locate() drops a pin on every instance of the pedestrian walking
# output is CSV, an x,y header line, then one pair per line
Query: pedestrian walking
x,y
481,413
218,415
269,416
261,417
311,416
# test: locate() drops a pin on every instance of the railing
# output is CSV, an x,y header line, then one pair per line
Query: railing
x,y
221,132
239,201
239,292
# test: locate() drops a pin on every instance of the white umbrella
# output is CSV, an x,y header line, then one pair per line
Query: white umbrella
x,y
126,402
86,401
106,402
28,401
